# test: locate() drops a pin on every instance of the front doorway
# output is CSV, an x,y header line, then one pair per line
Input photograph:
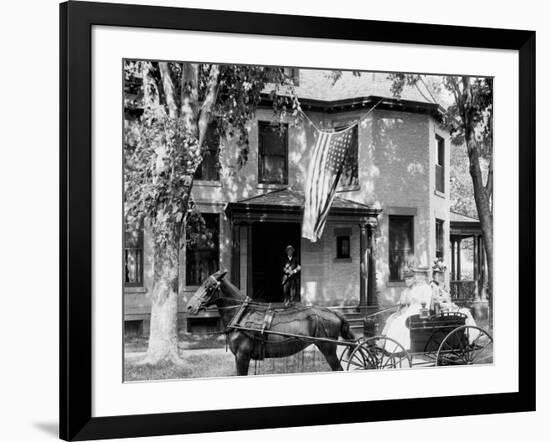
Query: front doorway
x,y
268,252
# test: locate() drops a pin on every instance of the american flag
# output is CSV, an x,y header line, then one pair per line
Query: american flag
x,y
324,172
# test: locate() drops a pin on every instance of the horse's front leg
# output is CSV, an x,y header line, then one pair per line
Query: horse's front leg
x,y
242,360
329,352
241,346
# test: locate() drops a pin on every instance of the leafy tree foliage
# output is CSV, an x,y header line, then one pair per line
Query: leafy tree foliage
x,y
169,107
462,189
164,145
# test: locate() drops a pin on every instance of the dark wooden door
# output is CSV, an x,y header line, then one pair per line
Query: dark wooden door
x,y
268,250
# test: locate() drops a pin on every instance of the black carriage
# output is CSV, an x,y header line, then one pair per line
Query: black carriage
x,y
442,339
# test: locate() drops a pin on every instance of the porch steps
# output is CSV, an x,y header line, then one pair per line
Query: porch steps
x,y
354,317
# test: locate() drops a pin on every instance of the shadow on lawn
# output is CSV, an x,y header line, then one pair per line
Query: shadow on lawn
x,y
219,363
186,341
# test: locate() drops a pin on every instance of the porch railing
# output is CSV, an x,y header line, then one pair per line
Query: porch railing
x,y
463,290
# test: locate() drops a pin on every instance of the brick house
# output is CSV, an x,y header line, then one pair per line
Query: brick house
x,y
392,205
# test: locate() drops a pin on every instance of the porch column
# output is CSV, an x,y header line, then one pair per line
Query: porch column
x,y
481,267
453,263
236,254
458,259
372,300
476,257
249,259
362,267
477,267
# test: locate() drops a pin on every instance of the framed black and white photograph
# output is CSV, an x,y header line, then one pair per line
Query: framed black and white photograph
x,y
273,220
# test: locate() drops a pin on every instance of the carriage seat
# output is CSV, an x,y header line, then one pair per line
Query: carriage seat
x,y
442,319
427,333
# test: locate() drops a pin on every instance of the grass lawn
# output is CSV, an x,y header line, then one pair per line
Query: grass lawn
x,y
205,356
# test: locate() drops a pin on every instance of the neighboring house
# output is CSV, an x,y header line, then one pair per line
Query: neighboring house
x,y
466,286
391,209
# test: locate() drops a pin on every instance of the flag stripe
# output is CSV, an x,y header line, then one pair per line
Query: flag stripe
x,y
324,172
315,172
324,212
319,175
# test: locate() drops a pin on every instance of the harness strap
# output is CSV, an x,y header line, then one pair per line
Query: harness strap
x,y
268,318
235,320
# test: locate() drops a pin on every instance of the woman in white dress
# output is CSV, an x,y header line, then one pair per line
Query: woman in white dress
x,y
417,296
395,324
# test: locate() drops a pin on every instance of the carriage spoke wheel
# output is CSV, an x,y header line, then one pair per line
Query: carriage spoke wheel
x,y
378,353
466,345
345,356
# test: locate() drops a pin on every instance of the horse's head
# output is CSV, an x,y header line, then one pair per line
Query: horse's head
x,y
207,293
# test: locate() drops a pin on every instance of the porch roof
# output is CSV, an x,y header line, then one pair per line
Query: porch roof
x,y
463,225
287,205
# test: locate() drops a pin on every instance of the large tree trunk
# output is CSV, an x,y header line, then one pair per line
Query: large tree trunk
x,y
163,337
483,205
482,194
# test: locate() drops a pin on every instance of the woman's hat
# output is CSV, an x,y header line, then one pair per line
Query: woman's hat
x,y
439,266
289,247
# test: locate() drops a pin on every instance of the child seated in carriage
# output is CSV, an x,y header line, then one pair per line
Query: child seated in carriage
x,y
442,301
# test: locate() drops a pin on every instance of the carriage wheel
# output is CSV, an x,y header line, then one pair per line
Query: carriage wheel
x,y
466,345
378,353
345,356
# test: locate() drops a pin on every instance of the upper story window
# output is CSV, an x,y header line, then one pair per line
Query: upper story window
x,y
272,153
133,258
440,164
439,238
209,169
401,245
202,254
350,172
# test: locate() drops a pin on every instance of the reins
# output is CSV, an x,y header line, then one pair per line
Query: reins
x,y
382,311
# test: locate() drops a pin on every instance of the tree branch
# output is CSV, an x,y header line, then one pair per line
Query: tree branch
x,y
422,93
428,89
190,95
489,183
168,86
208,103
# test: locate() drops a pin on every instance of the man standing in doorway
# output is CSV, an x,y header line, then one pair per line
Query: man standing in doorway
x,y
291,268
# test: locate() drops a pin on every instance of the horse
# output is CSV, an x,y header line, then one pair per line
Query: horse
x,y
292,325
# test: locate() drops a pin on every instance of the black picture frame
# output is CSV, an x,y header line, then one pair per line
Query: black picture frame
x,y
76,21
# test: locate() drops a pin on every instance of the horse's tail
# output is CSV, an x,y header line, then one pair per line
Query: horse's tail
x,y
345,330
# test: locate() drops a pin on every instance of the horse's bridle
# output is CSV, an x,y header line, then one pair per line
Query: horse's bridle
x,y
213,286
